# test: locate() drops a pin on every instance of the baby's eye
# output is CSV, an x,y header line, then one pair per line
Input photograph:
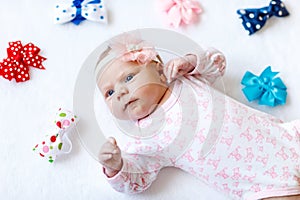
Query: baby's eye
x,y
128,78
110,92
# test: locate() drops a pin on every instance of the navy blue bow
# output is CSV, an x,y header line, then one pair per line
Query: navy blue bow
x,y
254,19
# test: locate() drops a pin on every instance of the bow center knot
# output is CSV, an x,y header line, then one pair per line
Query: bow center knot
x,y
266,80
77,3
17,58
133,47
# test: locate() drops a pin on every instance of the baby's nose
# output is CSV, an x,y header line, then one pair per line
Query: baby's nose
x,y
121,91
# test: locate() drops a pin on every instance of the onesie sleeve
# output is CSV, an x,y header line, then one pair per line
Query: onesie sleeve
x,y
136,175
210,65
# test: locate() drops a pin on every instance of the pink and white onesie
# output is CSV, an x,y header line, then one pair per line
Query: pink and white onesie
x,y
240,151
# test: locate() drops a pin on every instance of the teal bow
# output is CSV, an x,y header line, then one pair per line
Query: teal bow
x,y
269,90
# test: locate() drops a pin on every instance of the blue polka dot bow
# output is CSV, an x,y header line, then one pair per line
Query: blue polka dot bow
x,y
254,19
80,10
266,88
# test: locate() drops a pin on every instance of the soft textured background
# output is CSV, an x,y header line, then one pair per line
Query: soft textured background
x,y
26,109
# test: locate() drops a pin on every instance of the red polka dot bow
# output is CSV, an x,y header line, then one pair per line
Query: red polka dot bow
x,y
57,141
19,59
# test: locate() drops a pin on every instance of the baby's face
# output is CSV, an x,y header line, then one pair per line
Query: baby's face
x,y
131,91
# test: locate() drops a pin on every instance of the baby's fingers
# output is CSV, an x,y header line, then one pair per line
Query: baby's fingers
x,y
110,148
105,157
112,140
116,150
107,148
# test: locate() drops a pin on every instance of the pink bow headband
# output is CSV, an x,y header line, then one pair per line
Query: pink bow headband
x,y
133,49
57,142
128,48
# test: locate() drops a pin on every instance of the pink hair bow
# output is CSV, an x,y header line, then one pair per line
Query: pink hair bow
x,y
181,11
57,142
132,48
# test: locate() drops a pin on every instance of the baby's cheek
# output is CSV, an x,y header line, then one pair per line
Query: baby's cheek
x,y
118,112
112,107
109,105
145,109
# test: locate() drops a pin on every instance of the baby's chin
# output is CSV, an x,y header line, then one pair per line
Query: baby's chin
x,y
143,113
135,116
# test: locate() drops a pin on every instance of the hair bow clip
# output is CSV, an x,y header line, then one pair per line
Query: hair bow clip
x,y
254,19
269,90
132,48
80,10
19,59
57,142
181,12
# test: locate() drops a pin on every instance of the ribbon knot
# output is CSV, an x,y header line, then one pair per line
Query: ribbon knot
x,y
269,90
80,10
57,142
19,59
254,19
77,3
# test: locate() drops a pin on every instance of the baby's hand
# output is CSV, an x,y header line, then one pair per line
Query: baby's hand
x,y
110,157
179,67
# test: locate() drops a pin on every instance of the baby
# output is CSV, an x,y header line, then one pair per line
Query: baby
x,y
242,152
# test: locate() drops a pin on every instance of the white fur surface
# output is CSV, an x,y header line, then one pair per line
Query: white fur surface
x,y
27,109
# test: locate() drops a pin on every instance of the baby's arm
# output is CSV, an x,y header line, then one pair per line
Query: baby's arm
x,y
206,66
210,65
135,174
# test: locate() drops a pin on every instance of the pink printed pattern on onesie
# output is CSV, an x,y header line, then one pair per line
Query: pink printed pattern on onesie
x,y
253,156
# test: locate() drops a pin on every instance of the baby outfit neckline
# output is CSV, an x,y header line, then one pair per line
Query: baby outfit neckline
x,y
175,92
175,88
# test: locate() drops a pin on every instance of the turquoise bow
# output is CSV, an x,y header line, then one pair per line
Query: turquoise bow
x,y
269,90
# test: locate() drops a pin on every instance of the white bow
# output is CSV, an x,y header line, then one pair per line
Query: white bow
x,y
79,10
57,142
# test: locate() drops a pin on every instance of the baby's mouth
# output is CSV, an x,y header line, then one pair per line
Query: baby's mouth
x,y
129,103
